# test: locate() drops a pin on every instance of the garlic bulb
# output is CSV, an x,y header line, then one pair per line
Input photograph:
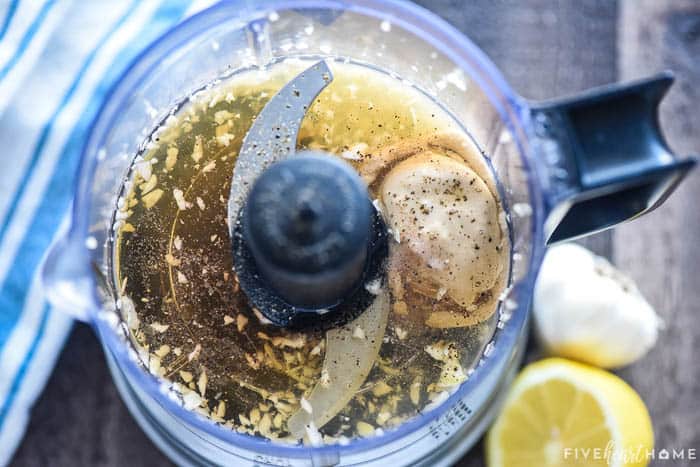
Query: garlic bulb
x,y
587,310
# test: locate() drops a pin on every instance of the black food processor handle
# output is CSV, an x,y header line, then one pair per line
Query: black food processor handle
x,y
606,158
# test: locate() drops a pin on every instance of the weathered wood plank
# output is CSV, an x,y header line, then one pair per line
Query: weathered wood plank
x,y
545,49
661,250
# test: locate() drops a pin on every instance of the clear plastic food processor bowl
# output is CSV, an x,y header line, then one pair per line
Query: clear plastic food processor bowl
x,y
394,36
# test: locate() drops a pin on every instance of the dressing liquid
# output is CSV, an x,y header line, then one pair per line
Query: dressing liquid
x,y
180,298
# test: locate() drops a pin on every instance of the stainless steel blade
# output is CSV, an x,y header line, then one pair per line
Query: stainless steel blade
x,y
273,135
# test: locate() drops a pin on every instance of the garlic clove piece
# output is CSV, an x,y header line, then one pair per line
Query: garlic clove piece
x,y
449,219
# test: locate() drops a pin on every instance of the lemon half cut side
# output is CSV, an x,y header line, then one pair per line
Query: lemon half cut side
x,y
563,413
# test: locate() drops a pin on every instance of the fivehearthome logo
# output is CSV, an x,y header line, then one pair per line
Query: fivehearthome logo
x,y
614,455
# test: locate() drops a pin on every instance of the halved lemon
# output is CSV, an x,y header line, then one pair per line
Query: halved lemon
x,y
563,413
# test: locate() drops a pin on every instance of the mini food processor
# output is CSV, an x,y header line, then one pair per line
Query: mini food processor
x,y
274,284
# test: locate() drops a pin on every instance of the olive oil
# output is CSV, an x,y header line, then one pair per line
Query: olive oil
x,y
180,297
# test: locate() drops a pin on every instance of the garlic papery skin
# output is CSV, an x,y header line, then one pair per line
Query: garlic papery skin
x,y
587,310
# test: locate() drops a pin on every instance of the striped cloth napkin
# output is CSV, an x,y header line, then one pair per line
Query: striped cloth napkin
x,y
57,61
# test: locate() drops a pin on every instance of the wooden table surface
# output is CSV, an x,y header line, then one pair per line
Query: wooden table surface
x,y
545,48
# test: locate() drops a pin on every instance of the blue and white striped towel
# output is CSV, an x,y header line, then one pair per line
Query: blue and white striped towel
x,y
57,61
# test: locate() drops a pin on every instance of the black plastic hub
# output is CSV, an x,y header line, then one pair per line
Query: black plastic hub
x,y
307,240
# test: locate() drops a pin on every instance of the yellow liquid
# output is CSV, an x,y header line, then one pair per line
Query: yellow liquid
x,y
174,267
